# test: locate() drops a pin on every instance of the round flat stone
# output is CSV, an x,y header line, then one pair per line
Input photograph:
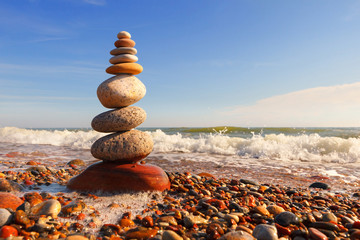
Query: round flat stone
x,y
124,42
123,58
121,119
120,91
112,177
123,34
129,68
124,147
123,50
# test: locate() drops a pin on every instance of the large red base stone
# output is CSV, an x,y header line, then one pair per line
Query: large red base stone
x,y
112,177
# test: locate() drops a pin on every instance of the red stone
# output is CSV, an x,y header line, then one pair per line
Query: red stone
x,y
141,234
147,221
355,235
8,231
316,234
356,225
28,182
112,177
8,200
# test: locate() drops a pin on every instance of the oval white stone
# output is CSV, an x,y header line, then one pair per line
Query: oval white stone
x,y
120,91
123,58
123,34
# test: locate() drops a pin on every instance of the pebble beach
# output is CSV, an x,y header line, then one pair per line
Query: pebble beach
x,y
205,201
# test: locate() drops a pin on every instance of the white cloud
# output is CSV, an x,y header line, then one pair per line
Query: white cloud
x,y
337,106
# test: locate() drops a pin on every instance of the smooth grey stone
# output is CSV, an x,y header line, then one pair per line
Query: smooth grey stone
x,y
117,120
265,232
125,147
286,218
5,217
319,185
246,181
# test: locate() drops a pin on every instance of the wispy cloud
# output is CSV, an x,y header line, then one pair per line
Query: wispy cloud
x,y
322,106
96,2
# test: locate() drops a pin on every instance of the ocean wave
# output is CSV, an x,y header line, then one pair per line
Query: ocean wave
x,y
78,139
304,147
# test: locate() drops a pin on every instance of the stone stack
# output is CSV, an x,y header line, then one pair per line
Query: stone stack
x,y
124,147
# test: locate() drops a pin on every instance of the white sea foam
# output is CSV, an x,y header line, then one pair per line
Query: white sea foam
x,y
76,139
273,146
310,148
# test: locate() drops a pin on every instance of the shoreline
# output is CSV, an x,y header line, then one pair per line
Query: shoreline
x,y
197,205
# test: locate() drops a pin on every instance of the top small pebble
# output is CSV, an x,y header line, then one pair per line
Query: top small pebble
x,y
123,34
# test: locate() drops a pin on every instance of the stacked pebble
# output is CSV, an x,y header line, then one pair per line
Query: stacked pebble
x,y
124,147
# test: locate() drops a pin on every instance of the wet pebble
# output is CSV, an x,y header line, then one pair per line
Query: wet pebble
x,y
8,231
168,219
190,220
141,234
316,234
265,232
355,235
237,235
275,210
246,181
329,217
261,210
5,216
77,162
76,237
125,222
286,218
147,221
73,207
319,185
171,235
9,186
22,218
9,200
325,225
50,207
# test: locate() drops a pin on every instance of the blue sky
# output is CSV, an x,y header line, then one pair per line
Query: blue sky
x,y
206,63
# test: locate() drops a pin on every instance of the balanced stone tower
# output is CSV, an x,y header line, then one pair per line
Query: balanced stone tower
x,y
121,151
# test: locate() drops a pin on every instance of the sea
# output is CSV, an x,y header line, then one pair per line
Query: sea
x,y
294,157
